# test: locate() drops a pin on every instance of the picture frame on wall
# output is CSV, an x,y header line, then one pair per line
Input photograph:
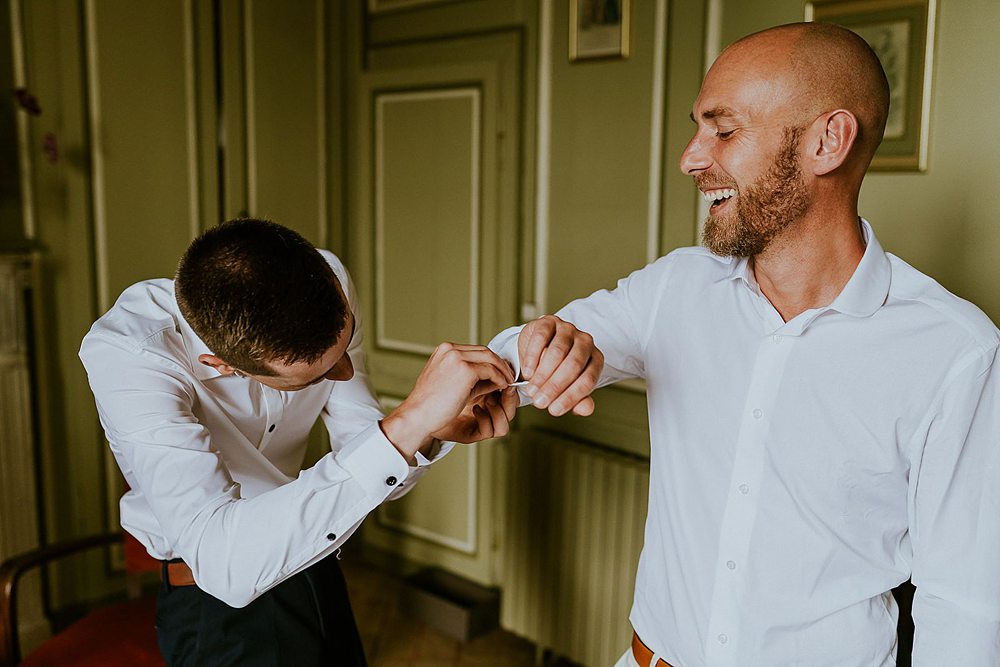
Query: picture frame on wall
x,y
902,34
598,29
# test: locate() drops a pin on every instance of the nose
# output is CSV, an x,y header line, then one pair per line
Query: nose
x,y
695,157
342,371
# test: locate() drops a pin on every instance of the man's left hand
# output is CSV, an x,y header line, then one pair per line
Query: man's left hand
x,y
487,416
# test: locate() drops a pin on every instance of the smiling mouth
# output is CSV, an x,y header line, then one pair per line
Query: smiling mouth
x,y
718,198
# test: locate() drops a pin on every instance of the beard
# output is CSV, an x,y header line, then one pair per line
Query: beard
x,y
765,208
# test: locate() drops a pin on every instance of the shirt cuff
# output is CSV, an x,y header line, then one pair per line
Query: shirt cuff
x,y
373,461
436,454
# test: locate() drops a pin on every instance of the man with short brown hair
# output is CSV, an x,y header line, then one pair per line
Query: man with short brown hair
x,y
208,386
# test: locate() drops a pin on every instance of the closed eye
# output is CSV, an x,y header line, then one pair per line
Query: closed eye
x,y
725,135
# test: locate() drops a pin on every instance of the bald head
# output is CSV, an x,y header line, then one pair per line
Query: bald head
x,y
816,68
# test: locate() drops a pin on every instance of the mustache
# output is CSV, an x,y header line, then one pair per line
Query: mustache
x,y
712,182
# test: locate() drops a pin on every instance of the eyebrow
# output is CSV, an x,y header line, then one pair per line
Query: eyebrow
x,y
717,112
354,328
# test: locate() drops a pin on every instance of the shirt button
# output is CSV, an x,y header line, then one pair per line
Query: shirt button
x,y
758,413
331,536
270,428
390,480
776,338
722,639
731,564
744,489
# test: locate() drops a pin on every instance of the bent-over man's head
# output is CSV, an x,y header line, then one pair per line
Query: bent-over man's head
x,y
267,304
788,121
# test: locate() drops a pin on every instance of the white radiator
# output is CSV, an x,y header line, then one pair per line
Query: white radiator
x,y
574,531
18,499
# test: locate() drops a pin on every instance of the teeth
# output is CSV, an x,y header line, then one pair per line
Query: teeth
x,y
714,195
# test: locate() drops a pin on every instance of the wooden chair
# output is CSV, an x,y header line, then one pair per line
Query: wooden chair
x,y
122,633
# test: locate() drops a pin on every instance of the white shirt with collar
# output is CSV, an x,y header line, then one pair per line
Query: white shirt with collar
x,y
213,462
800,470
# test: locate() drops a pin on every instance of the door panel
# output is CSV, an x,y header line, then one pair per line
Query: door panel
x,y
432,247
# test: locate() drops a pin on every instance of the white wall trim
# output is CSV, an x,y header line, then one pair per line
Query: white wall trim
x,y
191,109
543,159
23,131
249,94
97,159
321,166
656,133
713,46
474,94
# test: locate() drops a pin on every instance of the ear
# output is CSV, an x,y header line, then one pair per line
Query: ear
x,y
217,364
834,134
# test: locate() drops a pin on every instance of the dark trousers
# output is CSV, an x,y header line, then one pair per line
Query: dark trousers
x,y
304,620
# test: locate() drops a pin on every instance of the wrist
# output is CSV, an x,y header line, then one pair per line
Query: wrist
x,y
401,431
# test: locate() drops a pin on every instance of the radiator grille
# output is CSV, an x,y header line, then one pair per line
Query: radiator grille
x,y
574,533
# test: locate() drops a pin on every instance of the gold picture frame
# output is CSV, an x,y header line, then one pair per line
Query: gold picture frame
x,y
902,34
599,29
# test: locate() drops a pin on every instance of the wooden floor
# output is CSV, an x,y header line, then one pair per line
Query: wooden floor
x,y
392,640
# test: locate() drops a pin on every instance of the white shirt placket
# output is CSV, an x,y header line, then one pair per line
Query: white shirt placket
x,y
725,615
274,406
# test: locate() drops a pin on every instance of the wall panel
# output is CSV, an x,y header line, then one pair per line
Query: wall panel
x,y
141,75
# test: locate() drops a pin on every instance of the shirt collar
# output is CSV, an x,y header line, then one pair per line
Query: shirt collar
x,y
863,294
195,347
868,288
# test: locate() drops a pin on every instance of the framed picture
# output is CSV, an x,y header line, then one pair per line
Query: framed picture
x,y
902,34
598,29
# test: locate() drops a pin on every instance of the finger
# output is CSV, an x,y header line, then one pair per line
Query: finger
x,y
533,340
584,408
509,400
580,389
561,364
498,417
478,354
490,380
485,422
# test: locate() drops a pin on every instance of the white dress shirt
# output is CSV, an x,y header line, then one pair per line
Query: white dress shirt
x,y
800,470
213,462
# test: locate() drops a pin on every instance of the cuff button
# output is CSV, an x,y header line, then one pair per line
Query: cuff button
x,y
390,480
331,536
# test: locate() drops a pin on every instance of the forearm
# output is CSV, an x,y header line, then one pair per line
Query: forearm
x,y
238,548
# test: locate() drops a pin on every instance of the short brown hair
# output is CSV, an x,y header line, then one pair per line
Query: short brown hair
x,y
255,291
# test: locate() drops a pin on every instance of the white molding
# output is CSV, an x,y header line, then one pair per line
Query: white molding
x,y
543,158
191,109
23,131
656,133
249,95
97,159
321,166
713,46
923,149
381,100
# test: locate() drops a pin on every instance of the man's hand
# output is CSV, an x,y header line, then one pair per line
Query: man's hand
x,y
562,364
488,416
450,397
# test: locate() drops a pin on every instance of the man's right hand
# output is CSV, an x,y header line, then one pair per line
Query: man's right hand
x,y
453,377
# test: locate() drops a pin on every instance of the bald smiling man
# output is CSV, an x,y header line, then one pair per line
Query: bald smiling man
x,y
824,419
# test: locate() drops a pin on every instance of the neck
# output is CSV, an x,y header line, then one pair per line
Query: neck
x,y
808,265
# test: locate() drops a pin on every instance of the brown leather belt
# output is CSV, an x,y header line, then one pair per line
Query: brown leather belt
x,y
643,655
176,573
